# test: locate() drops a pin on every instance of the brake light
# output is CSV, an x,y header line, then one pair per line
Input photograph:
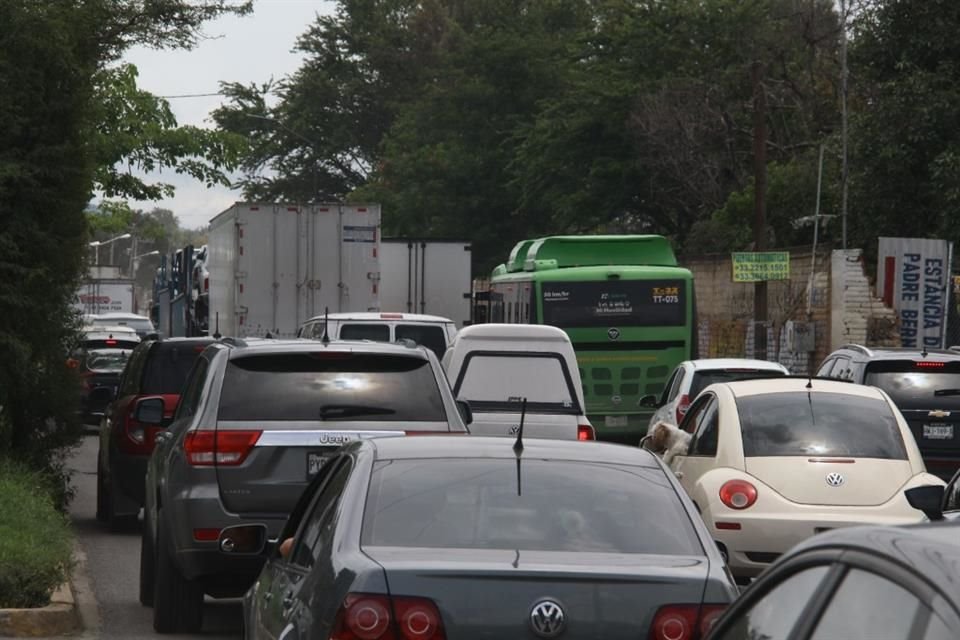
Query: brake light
x,y
684,621
738,494
219,447
682,405
364,616
928,364
586,432
110,342
391,316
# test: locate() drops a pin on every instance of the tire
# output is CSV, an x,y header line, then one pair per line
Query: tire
x,y
148,563
177,602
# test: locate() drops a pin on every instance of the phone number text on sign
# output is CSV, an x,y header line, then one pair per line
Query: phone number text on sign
x,y
760,266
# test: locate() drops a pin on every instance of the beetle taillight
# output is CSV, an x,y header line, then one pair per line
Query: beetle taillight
x,y
738,494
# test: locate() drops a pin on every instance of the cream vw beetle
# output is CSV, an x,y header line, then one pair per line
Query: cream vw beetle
x,y
772,462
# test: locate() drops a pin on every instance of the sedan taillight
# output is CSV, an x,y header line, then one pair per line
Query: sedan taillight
x,y
684,621
219,447
365,616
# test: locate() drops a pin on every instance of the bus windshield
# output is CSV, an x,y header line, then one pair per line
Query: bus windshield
x,y
638,303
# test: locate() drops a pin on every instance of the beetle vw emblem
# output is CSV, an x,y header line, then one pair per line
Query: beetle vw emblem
x,y
835,479
613,333
547,619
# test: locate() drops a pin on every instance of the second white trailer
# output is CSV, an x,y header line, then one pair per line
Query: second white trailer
x,y
427,276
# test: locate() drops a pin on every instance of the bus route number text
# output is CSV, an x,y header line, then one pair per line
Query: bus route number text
x,y
665,295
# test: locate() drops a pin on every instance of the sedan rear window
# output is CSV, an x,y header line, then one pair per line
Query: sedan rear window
x,y
533,505
819,424
331,386
704,378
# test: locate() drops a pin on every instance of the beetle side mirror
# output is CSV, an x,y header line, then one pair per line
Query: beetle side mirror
x,y
466,413
149,411
650,402
929,499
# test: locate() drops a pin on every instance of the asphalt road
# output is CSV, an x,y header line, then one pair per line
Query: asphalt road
x,y
113,566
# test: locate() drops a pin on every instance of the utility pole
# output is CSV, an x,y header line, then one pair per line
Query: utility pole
x,y
759,207
843,117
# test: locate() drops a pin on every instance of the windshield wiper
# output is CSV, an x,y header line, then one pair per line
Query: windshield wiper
x,y
947,392
334,411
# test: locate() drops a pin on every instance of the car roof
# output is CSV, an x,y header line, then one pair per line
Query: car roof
x,y
498,331
735,363
370,316
117,315
933,549
467,446
900,353
794,384
247,346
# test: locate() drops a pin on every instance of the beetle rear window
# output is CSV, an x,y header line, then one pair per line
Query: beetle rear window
x,y
819,424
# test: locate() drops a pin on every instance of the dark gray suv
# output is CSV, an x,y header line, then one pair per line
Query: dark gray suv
x,y
256,421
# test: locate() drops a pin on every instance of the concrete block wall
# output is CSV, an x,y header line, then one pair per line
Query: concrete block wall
x,y
859,316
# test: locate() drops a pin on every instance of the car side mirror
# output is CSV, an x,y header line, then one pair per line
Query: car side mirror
x,y
650,402
928,498
149,411
466,413
244,539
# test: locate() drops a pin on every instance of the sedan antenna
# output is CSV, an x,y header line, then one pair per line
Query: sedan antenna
x,y
326,335
518,445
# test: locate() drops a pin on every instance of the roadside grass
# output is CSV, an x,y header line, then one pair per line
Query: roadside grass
x,y
35,538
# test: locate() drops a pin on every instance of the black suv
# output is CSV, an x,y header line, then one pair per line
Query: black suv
x,y
925,386
258,420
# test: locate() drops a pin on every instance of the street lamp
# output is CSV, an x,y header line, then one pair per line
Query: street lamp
x,y
135,261
297,134
99,243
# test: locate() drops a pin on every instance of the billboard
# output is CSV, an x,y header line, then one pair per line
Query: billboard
x,y
914,277
761,266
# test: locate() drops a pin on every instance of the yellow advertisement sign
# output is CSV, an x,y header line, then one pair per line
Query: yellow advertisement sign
x,y
758,266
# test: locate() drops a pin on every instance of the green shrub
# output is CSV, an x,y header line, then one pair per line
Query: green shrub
x,y
35,538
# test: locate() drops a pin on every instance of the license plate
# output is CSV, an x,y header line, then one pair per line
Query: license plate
x,y
315,462
615,421
938,431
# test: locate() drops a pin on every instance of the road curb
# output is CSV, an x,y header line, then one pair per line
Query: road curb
x,y
72,608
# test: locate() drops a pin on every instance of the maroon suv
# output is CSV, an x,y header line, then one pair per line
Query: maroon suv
x,y
156,368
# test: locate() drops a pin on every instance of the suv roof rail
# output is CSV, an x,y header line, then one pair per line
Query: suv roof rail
x,y
858,347
235,342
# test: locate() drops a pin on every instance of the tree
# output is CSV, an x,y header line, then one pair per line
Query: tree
x,y
905,138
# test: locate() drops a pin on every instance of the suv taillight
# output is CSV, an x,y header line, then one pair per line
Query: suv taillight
x,y
219,447
586,432
137,438
682,405
364,616
684,621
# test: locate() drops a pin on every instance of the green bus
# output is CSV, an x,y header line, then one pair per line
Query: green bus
x,y
628,309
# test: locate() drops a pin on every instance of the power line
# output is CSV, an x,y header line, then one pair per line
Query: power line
x,y
192,95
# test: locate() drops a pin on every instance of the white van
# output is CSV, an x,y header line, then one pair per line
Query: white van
x,y
433,332
495,366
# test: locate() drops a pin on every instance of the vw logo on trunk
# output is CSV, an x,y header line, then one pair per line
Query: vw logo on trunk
x,y
547,619
835,479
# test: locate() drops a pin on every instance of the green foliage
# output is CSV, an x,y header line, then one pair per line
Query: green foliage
x,y
35,539
906,126
138,130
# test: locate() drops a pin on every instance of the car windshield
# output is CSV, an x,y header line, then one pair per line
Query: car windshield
x,y
914,385
819,424
331,385
498,382
168,366
534,505
107,359
703,378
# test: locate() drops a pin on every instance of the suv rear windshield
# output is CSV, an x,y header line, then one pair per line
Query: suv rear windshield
x,y
541,378
704,378
167,367
107,359
331,385
916,386
544,505
819,424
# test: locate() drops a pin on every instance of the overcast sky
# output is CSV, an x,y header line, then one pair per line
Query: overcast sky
x,y
249,49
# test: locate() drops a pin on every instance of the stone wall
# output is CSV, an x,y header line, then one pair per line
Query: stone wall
x,y
860,317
